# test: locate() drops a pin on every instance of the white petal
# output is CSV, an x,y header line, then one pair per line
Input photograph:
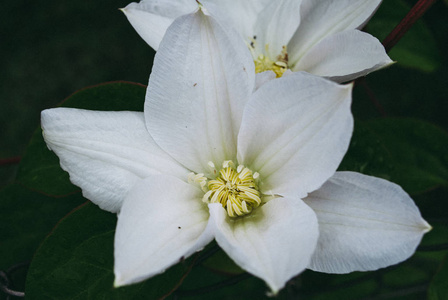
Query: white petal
x,y
151,18
345,56
295,131
162,221
322,18
365,223
276,25
262,78
200,82
241,14
274,243
105,153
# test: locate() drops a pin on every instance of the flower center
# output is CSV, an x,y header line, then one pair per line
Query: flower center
x,y
264,63
235,188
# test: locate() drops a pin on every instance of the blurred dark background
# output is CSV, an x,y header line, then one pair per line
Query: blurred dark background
x,y
50,49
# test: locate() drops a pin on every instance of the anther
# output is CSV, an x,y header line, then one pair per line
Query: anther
x,y
235,189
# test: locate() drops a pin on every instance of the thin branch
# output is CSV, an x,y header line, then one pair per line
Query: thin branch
x,y
213,287
362,82
413,15
10,161
206,254
179,283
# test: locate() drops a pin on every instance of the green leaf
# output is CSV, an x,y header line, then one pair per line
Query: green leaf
x,y
438,289
113,96
409,152
202,283
405,274
26,218
40,170
355,285
221,262
76,261
417,49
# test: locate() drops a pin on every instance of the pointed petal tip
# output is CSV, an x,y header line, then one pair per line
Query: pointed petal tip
x,y
349,86
386,63
202,9
118,281
128,8
426,227
347,90
274,289
125,280
380,66
390,62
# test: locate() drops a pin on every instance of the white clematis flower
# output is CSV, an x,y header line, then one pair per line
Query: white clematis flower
x,y
210,158
321,37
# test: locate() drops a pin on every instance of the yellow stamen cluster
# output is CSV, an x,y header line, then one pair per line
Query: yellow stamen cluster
x,y
235,189
264,63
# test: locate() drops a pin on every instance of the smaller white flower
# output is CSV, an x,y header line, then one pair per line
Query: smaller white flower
x,y
321,37
210,158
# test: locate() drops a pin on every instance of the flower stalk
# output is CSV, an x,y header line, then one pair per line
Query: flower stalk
x,y
10,161
400,30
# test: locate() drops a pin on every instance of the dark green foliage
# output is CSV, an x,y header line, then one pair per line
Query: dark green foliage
x,y
409,152
40,170
438,290
26,217
76,262
417,49
400,135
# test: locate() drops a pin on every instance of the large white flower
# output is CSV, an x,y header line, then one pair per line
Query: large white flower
x,y
321,37
212,157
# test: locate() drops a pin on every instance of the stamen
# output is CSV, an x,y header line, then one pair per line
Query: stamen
x,y
245,208
206,196
198,179
228,163
191,177
237,209
235,188
263,63
246,172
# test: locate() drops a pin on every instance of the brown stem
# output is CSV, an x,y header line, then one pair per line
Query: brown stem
x,y
362,82
231,281
413,15
10,161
